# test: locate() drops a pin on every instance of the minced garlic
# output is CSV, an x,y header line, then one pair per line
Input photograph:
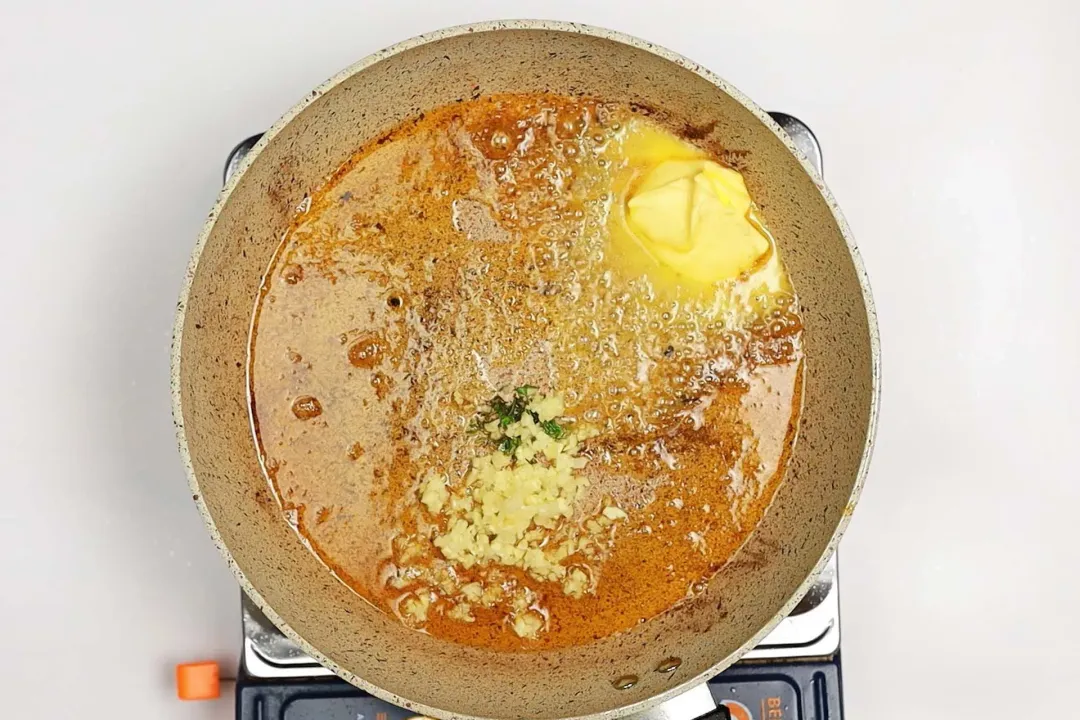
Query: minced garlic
x,y
433,492
462,612
508,501
613,513
491,595
513,509
576,583
414,606
528,624
473,591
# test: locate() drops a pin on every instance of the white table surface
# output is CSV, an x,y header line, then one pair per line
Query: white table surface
x,y
949,133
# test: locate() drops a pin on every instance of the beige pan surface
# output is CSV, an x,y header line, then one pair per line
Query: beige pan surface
x,y
373,650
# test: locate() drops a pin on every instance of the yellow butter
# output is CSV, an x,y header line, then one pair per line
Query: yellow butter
x,y
697,219
681,219
662,215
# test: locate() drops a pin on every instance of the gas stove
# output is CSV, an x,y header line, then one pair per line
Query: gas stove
x,y
793,674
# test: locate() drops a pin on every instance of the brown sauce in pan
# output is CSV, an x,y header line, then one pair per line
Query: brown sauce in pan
x,y
465,253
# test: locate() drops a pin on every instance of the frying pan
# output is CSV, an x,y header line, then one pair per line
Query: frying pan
x,y
620,674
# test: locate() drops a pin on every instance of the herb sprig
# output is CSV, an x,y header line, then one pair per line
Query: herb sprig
x,y
508,412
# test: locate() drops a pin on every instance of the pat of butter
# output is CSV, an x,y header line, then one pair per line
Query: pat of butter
x,y
696,217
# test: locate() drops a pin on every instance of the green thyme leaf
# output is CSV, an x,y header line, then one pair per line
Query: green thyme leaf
x,y
506,413
553,429
503,410
509,444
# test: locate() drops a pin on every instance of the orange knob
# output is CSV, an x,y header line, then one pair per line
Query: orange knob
x,y
198,681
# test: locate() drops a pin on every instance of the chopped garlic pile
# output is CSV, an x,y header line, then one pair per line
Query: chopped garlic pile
x,y
514,508
502,512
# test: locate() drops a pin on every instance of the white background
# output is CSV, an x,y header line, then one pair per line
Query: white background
x,y
950,138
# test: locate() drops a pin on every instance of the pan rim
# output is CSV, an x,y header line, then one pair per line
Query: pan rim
x,y
555,26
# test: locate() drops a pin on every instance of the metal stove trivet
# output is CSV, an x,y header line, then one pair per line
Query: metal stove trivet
x,y
794,674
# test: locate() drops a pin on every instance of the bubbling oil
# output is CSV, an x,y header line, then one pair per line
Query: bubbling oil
x,y
470,251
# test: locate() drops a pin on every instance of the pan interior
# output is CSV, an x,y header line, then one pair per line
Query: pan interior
x,y
489,247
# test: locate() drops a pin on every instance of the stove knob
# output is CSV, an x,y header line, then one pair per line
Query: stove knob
x,y
198,681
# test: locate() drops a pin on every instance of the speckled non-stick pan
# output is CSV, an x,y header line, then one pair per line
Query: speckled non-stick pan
x,y
376,652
